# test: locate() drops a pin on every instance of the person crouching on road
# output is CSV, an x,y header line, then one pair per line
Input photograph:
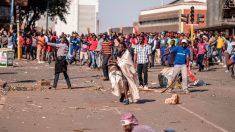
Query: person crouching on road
x,y
61,63
181,62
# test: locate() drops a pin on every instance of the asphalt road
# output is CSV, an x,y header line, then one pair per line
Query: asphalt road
x,y
90,107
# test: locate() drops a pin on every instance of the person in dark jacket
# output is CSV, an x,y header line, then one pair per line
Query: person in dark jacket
x,y
61,63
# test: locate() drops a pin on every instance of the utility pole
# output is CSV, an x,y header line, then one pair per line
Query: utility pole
x,y
18,30
47,17
12,15
192,22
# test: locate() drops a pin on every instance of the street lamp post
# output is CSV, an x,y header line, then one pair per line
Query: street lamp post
x,y
12,15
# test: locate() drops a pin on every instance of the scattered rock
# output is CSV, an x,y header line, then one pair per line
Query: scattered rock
x,y
173,100
44,83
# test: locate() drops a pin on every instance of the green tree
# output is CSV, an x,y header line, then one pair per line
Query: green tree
x,y
32,13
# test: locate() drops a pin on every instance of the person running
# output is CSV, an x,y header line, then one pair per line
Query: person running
x,y
142,57
61,63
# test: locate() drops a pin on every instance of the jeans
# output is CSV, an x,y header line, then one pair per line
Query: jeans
x,y
66,77
162,52
183,69
93,58
200,58
105,65
33,51
142,68
153,57
220,55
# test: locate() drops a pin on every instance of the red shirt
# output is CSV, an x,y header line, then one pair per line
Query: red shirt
x,y
93,45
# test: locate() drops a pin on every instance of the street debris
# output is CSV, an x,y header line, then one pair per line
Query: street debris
x,y
44,82
82,130
173,100
91,81
76,108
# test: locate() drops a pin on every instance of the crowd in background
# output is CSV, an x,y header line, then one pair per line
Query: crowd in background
x,y
96,50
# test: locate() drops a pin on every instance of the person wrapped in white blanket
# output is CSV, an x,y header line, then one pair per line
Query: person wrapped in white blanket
x,y
123,76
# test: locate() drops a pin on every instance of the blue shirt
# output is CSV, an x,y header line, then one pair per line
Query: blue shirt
x,y
75,42
181,55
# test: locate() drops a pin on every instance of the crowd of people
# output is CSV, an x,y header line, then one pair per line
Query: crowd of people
x,y
146,50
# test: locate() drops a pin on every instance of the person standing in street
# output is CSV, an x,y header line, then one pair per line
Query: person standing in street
x,y
153,43
219,47
61,63
142,57
92,48
106,52
41,42
181,62
201,50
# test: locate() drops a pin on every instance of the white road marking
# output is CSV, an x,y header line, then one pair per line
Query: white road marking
x,y
202,118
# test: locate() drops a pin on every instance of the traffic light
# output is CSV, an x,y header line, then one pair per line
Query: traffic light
x,y
192,15
17,13
184,18
200,18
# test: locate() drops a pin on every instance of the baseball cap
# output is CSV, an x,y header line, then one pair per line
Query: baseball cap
x,y
128,118
184,41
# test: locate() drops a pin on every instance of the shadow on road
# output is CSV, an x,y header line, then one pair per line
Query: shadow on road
x,y
198,90
8,73
143,101
25,81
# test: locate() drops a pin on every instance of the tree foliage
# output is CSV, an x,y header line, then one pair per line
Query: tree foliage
x,y
36,8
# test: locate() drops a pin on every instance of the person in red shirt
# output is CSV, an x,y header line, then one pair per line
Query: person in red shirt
x,y
92,48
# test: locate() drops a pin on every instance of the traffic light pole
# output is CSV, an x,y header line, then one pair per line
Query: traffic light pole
x,y
192,34
18,32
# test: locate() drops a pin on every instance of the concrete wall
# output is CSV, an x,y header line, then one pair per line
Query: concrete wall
x,y
214,12
71,18
87,19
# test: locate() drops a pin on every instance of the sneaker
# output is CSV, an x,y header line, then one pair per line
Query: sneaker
x,y
195,82
224,66
141,87
146,87
186,91
226,71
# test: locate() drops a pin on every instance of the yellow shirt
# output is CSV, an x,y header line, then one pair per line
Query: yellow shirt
x,y
220,43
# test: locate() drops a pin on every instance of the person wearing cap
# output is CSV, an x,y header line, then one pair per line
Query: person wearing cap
x,y
130,124
182,54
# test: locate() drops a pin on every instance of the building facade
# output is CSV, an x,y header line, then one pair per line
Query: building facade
x,y
221,15
81,18
5,16
167,18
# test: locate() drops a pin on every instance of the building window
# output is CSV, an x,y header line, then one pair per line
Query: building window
x,y
161,22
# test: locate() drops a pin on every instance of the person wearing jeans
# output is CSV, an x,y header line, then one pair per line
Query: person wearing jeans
x,y
92,48
181,61
106,52
142,57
